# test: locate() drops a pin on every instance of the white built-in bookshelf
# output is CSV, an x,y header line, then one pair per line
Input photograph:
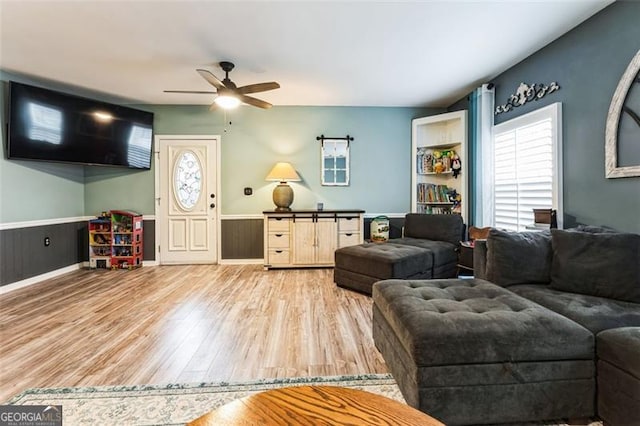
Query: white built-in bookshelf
x,y
438,142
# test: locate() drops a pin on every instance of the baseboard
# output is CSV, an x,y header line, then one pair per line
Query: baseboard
x,y
259,261
39,278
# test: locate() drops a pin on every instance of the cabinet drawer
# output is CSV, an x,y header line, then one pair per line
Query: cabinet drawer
x,y
348,239
346,224
279,257
278,240
279,224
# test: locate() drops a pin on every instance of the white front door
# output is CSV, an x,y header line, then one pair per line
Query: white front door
x,y
188,199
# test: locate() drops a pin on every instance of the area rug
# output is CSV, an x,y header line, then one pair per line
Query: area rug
x,y
176,404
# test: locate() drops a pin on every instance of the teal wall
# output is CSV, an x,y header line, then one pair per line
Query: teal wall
x,y
118,189
587,63
250,146
34,191
31,190
257,139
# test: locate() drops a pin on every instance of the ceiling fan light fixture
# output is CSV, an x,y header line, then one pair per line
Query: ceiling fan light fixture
x,y
227,101
230,95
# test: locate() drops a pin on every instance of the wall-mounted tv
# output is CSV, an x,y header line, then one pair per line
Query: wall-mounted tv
x,y
52,126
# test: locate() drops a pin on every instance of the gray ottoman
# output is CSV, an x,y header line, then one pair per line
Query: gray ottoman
x,y
359,267
619,376
469,352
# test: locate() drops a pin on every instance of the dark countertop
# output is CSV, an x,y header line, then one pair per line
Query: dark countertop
x,y
314,211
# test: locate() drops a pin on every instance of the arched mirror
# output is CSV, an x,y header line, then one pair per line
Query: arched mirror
x,y
622,134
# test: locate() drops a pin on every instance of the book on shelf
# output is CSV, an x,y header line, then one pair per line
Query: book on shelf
x,y
431,209
432,193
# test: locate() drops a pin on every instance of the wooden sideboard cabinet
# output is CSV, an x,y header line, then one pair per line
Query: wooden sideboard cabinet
x,y
309,238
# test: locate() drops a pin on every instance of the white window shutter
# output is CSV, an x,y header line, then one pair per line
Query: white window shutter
x,y
526,168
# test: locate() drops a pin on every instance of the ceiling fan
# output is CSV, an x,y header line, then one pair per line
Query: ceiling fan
x,y
230,95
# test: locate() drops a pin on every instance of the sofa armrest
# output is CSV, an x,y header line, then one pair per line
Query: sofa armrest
x,y
480,259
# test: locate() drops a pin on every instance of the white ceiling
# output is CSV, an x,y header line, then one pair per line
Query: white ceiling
x,y
355,53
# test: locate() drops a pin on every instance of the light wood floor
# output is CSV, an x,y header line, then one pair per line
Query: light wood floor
x,y
182,324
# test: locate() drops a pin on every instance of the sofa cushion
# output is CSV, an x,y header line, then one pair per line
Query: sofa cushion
x,y
592,312
593,229
437,227
471,321
385,260
621,347
518,257
443,252
597,264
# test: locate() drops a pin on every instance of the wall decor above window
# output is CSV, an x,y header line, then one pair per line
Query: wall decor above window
x,y
334,154
526,93
622,133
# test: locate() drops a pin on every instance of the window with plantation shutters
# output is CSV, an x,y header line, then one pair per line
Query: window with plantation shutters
x,y
527,168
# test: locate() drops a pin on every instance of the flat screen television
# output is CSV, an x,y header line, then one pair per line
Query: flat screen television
x,y
52,126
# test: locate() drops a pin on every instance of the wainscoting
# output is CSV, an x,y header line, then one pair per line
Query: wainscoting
x,y
23,254
242,238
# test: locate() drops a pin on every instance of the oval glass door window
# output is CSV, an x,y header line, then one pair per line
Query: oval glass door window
x,y
187,180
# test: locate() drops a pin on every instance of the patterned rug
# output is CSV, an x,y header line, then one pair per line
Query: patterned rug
x,y
177,404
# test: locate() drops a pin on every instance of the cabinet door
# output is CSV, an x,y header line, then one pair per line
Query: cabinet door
x,y
326,240
304,241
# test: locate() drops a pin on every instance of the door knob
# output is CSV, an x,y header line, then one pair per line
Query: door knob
x,y
213,195
212,205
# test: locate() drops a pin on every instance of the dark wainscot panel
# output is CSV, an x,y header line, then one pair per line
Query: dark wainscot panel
x,y
149,239
23,253
242,238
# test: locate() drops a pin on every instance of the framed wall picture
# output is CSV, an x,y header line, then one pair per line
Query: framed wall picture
x,y
622,133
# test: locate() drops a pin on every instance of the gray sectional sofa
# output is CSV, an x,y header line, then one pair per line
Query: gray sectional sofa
x,y
549,328
427,249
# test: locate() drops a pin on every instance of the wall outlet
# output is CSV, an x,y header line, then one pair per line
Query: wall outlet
x,y
47,241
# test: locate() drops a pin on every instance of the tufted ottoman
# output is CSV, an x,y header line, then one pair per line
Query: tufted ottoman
x,y
359,267
470,352
619,376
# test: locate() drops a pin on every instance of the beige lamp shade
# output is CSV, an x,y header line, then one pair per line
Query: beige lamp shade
x,y
282,193
283,172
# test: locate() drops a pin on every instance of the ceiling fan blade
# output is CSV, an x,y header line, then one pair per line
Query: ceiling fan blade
x,y
207,75
259,87
209,92
255,102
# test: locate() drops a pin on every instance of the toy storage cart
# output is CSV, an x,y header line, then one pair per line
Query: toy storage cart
x,y
100,243
126,234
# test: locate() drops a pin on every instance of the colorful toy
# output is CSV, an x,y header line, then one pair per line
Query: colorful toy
x,y
428,163
456,165
456,199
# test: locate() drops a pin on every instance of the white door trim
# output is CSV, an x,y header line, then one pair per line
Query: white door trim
x,y
156,156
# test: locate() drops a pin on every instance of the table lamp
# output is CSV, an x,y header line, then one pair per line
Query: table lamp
x,y
283,194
